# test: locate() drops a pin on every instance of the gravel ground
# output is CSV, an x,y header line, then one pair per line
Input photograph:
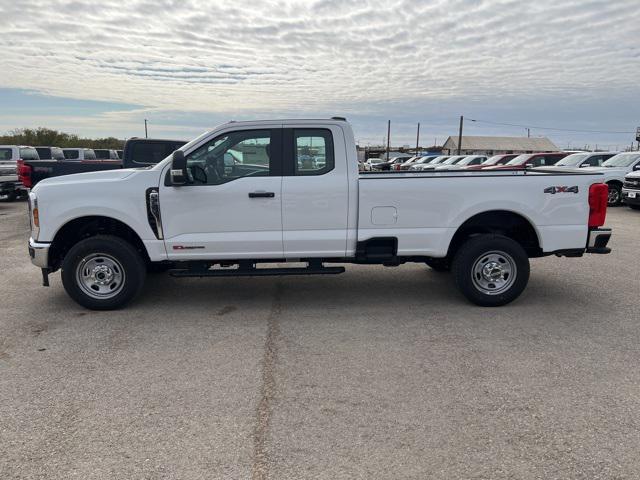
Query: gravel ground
x,y
379,373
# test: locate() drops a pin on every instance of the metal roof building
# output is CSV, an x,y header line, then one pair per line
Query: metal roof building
x,y
497,145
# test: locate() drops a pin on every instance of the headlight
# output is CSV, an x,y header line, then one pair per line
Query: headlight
x,y
34,216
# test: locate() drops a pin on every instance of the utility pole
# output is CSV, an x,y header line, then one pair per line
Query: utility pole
x,y
460,135
145,129
528,133
418,138
388,137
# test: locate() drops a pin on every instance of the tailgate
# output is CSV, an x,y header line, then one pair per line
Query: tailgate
x,y
8,167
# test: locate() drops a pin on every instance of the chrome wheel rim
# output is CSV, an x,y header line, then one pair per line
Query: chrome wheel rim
x,y
614,196
100,276
494,272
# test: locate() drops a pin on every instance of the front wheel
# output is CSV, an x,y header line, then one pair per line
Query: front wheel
x,y
491,270
438,264
615,195
103,272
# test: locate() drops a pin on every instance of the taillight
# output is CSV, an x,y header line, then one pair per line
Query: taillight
x,y
598,195
24,174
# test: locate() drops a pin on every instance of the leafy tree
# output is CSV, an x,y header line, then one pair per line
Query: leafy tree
x,y
43,136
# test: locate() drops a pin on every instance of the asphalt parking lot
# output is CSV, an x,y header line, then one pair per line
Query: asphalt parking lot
x,y
381,373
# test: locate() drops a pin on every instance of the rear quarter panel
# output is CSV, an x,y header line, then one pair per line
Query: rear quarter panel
x,y
430,208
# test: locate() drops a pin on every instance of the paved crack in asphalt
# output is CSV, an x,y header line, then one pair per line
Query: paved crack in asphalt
x,y
260,466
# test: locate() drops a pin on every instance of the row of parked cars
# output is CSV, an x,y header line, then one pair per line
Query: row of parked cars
x,y
21,167
613,165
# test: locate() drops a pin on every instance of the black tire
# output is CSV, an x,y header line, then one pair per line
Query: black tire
x,y
124,266
11,197
439,264
615,195
479,254
159,267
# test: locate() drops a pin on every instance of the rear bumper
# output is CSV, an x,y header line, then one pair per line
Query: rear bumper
x,y
39,253
9,185
598,240
626,198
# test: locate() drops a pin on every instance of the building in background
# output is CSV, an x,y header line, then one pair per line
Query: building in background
x,y
498,145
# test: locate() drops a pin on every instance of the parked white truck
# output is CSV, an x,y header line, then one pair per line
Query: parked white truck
x,y
270,192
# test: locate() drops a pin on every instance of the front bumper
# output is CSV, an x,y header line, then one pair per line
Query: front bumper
x,y
598,240
631,197
39,253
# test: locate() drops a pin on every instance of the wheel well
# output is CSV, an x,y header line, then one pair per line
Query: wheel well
x,y
617,183
85,227
501,222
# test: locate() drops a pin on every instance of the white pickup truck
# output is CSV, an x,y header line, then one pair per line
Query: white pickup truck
x,y
272,192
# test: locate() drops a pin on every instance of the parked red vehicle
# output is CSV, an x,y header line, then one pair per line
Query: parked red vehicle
x,y
491,161
529,160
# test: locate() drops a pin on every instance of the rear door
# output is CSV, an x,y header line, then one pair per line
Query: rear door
x,y
315,192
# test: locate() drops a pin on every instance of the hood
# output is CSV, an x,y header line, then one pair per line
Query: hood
x,y
88,177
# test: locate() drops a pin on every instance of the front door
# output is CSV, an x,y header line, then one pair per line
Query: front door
x,y
231,206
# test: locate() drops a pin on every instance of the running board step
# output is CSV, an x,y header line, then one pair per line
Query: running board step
x,y
255,272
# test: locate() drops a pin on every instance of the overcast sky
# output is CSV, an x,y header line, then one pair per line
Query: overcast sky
x,y
100,68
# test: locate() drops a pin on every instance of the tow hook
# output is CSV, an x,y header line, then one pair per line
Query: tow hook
x,y
45,277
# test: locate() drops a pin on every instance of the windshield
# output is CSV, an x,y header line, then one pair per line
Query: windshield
x,y
466,160
453,160
498,160
375,160
573,159
493,160
622,160
438,159
520,159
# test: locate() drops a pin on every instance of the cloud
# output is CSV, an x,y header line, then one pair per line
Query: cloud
x,y
253,58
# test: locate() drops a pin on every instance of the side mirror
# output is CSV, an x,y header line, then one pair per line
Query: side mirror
x,y
528,165
178,170
636,166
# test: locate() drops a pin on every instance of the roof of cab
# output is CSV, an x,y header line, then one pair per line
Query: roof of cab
x,y
332,120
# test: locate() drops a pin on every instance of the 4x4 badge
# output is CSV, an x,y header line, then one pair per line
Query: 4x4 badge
x,y
564,189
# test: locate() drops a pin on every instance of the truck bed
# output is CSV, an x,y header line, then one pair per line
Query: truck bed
x,y
424,209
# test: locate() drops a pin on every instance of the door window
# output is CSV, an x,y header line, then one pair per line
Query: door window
x,y
233,155
593,161
71,154
5,154
313,153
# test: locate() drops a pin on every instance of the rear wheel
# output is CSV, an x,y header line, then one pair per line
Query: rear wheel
x,y
103,272
11,197
491,270
615,195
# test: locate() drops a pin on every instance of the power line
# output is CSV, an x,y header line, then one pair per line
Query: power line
x,y
548,128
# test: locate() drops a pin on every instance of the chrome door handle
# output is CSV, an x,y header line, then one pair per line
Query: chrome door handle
x,y
262,194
